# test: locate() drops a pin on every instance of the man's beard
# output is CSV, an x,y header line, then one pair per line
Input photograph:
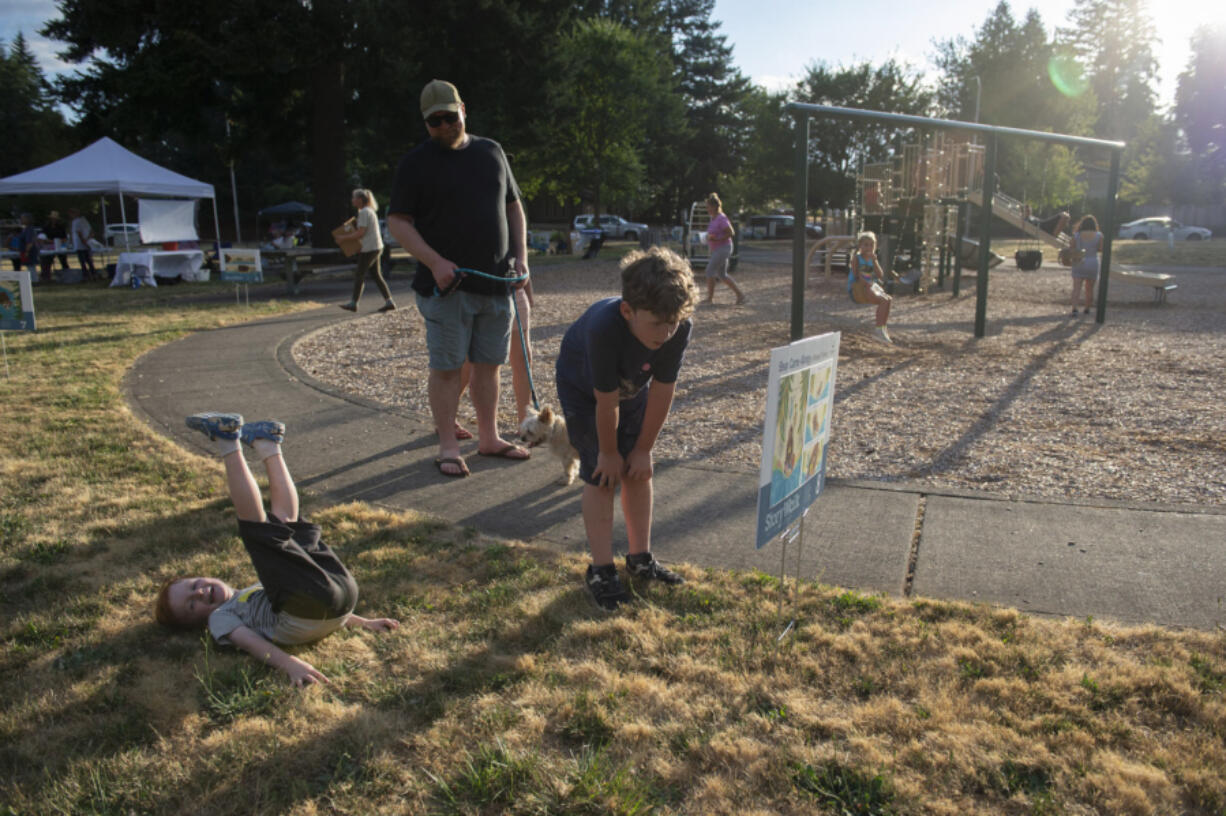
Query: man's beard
x,y
451,138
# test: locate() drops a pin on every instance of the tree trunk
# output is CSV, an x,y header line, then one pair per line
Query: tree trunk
x,y
328,124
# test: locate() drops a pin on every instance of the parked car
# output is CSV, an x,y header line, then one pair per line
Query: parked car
x,y
777,226
1160,227
114,234
614,226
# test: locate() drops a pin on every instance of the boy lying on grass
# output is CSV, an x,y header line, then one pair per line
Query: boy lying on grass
x,y
305,593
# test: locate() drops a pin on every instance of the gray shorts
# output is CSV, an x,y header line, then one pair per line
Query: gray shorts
x,y
1085,271
464,326
717,266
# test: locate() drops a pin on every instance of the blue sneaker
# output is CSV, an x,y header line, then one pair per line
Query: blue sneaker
x,y
216,425
268,429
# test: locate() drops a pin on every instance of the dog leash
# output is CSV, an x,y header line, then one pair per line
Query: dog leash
x,y
460,273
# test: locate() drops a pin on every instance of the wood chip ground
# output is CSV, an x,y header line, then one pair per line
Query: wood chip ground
x,y
1047,404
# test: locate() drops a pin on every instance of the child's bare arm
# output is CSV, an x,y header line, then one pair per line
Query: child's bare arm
x,y
300,672
659,401
609,464
373,624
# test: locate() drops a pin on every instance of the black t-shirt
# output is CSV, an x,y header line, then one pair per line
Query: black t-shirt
x,y
55,229
458,200
599,352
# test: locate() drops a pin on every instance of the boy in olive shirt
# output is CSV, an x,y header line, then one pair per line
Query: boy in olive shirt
x,y
616,374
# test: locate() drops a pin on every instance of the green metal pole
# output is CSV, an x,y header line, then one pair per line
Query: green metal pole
x,y
800,208
1108,228
963,222
944,250
985,230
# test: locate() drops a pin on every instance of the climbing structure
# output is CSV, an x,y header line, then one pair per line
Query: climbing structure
x,y
913,200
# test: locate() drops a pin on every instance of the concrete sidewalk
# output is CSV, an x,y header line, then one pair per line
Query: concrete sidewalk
x,y
1133,563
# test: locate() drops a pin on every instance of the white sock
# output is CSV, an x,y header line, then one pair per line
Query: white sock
x,y
265,448
225,447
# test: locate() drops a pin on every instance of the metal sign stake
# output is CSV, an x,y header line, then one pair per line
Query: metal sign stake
x,y
796,532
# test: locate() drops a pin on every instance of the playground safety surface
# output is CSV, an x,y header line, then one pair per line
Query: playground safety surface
x,y
1133,562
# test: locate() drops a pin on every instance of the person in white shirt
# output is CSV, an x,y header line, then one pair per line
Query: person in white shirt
x,y
372,248
79,233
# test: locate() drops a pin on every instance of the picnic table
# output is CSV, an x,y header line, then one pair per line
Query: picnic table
x,y
298,262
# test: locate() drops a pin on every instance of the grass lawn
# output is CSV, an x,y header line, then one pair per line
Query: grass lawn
x,y
505,691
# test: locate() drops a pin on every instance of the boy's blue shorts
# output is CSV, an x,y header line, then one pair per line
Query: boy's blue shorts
x,y
580,417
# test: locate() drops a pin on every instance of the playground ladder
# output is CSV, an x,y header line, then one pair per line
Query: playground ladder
x,y
700,219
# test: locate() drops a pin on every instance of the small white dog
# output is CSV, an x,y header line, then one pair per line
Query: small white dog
x,y
548,427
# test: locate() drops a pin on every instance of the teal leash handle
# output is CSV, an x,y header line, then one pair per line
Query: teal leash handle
x,y
523,343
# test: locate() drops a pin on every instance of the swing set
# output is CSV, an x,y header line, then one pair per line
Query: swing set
x,y
929,176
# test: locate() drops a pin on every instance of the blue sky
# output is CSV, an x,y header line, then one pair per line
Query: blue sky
x,y
774,41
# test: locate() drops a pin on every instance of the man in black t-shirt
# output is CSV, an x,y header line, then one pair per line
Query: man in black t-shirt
x,y
455,204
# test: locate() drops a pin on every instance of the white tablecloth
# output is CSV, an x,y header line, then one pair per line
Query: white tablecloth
x,y
187,264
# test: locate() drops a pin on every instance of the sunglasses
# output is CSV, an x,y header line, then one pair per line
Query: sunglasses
x,y
437,120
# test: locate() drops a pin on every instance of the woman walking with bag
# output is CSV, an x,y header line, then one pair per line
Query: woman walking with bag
x,y
1088,241
372,247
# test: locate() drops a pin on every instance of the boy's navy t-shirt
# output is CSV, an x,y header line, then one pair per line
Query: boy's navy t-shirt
x,y
599,353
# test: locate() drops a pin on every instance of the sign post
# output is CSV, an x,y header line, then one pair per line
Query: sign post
x,y
796,432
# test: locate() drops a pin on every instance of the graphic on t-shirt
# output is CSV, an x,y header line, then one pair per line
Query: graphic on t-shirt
x,y
628,389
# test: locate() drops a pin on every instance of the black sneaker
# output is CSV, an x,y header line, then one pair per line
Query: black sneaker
x,y
606,587
644,565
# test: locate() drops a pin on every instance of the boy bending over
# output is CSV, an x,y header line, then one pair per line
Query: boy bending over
x,y
304,592
616,372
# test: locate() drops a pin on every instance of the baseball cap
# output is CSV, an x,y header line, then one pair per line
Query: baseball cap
x,y
439,95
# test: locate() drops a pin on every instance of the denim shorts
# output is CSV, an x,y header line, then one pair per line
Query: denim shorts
x,y
463,326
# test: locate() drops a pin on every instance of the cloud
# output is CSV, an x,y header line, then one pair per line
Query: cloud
x,y
27,17
775,83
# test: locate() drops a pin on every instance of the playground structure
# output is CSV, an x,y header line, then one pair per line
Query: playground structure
x,y
917,177
916,203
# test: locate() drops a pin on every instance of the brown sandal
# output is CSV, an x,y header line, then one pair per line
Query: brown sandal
x,y
458,461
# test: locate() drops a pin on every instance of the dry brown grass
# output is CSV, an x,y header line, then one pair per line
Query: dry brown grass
x,y
505,691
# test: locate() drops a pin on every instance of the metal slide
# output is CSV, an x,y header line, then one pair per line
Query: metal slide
x,y
1010,209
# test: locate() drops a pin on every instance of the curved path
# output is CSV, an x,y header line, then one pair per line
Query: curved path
x,y
1134,563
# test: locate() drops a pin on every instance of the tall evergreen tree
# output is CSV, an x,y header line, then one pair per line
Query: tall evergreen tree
x,y
1200,110
1004,75
34,130
612,84
712,89
765,144
1114,42
839,147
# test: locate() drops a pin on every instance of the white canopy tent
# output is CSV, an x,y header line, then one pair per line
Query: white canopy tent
x,y
107,168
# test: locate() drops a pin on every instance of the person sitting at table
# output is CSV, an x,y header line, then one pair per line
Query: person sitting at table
x,y
26,244
54,244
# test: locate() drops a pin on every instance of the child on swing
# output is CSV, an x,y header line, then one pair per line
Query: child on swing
x,y
304,592
864,278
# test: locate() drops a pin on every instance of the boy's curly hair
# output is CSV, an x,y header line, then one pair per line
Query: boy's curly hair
x,y
659,281
162,612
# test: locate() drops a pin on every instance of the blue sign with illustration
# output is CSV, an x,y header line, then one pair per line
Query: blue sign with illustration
x,y
799,399
16,301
